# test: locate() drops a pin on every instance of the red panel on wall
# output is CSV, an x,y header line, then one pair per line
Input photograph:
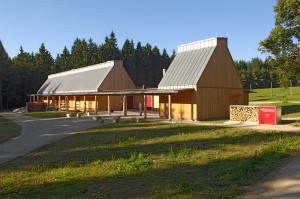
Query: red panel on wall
x,y
267,115
149,102
129,102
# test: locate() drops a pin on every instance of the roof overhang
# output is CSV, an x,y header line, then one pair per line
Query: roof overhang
x,y
120,92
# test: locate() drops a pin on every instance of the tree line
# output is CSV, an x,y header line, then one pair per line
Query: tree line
x,y
26,72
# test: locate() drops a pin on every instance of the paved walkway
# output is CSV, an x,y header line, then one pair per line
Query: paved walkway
x,y
38,132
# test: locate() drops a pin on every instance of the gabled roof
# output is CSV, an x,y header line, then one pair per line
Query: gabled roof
x,y
86,79
188,65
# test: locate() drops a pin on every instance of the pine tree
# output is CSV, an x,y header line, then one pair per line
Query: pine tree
x,y
165,59
138,62
128,54
109,50
147,65
93,57
5,64
76,54
42,66
63,61
26,77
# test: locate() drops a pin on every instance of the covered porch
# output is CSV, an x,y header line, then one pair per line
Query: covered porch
x,y
102,102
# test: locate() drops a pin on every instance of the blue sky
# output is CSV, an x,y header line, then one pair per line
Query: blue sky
x,y
165,24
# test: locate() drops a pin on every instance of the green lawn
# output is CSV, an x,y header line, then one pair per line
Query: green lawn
x,y
8,129
279,94
147,160
47,114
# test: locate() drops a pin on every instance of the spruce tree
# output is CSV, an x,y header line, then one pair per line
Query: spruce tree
x,y
43,65
5,64
128,54
63,61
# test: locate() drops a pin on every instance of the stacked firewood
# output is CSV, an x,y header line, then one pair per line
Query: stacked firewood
x,y
244,113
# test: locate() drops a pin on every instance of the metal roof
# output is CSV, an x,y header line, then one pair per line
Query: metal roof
x,y
86,79
118,92
188,66
186,69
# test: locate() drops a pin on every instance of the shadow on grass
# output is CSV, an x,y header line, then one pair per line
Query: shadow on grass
x,y
288,109
215,179
86,148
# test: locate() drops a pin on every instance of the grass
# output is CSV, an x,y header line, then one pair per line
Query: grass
x,y
47,114
288,110
279,94
147,160
8,129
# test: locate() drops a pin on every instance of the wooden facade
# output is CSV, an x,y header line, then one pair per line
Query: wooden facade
x,y
116,79
218,87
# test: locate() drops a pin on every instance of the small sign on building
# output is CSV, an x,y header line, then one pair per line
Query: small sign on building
x,y
269,115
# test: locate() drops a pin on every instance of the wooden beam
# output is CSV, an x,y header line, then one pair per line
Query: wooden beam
x,y
59,103
95,103
170,107
30,99
125,105
53,104
108,105
84,99
140,105
74,103
145,106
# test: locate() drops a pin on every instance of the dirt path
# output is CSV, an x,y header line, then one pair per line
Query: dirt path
x,y
283,182
38,132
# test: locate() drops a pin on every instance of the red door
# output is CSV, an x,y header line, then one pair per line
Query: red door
x,y
149,102
129,102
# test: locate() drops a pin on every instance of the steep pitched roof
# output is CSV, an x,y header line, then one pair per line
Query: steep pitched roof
x,y
86,79
188,65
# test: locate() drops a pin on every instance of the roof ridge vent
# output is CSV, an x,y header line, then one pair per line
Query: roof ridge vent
x,y
197,45
83,69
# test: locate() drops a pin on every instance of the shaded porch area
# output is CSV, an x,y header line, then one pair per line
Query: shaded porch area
x,y
104,102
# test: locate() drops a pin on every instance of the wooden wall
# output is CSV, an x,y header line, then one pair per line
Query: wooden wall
x,y
220,71
215,102
183,105
219,85
117,79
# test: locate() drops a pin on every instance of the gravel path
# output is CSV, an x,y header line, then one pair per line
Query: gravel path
x,y
283,182
38,132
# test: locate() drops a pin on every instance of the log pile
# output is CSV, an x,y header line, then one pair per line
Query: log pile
x,y
244,113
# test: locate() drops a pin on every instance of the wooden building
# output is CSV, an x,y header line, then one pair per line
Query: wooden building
x,y
80,89
209,82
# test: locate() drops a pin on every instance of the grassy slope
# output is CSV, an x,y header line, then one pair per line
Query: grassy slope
x,y
279,94
147,160
47,114
8,129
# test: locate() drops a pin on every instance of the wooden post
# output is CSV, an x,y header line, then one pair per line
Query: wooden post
x,y
38,98
30,98
67,103
108,105
53,104
74,103
95,103
84,99
170,107
140,105
59,103
125,105
145,106
47,101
